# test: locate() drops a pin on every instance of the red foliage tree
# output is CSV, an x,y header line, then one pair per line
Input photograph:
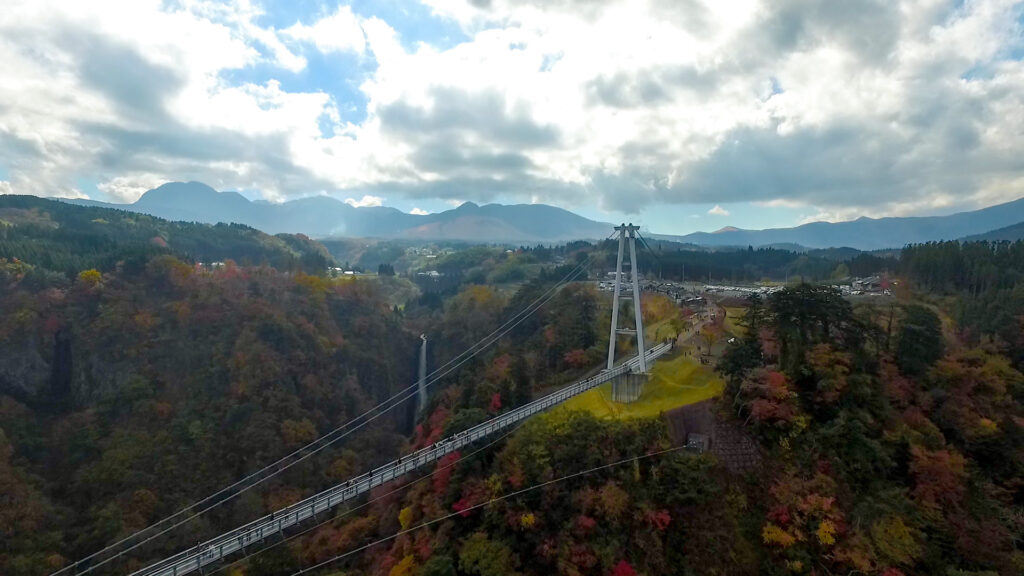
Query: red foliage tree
x,y
443,475
779,515
585,523
576,358
436,423
898,388
474,492
772,401
51,325
583,556
623,569
424,544
940,477
462,506
660,519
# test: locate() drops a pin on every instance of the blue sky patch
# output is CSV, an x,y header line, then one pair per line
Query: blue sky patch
x,y
88,187
337,74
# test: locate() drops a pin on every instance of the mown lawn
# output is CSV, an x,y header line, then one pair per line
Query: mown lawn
x,y
658,331
732,317
674,382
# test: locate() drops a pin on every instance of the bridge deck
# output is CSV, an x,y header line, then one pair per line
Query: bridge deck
x,y
207,553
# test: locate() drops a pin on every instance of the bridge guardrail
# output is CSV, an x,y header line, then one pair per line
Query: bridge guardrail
x,y
197,557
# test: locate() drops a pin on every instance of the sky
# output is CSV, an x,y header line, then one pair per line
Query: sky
x,y
679,115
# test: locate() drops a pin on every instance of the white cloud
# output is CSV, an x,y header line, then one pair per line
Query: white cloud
x,y
418,212
931,205
111,90
836,108
646,96
718,211
72,192
338,32
127,189
5,187
366,201
780,203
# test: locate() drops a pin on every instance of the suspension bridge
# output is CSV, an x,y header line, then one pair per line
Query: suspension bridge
x,y
210,552
256,533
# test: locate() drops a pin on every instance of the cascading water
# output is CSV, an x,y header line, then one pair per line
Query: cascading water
x,y
421,397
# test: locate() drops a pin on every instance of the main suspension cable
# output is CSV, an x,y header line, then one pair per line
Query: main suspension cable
x,y
484,504
325,441
351,511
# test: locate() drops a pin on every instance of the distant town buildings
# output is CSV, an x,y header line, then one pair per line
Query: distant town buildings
x,y
869,286
428,252
335,272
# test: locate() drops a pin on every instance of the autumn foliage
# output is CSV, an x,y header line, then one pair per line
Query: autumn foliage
x,y
890,460
137,377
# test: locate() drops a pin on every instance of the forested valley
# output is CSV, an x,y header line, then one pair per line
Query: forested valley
x,y
136,379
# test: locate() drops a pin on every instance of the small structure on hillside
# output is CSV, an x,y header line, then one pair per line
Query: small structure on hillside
x,y
698,442
697,429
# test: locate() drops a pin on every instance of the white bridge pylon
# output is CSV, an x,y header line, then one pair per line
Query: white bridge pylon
x,y
627,233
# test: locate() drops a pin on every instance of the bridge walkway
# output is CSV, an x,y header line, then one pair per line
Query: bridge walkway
x,y
255,532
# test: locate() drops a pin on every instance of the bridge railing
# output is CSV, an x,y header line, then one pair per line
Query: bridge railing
x,y
213,550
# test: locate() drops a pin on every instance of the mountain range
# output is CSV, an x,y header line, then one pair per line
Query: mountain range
x,y
324,217
868,233
1007,234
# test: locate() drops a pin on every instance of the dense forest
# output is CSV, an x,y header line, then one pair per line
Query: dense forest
x,y
57,237
141,383
894,447
749,265
133,383
889,447
983,287
126,397
461,263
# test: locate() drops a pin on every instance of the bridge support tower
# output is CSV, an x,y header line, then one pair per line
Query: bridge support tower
x,y
627,387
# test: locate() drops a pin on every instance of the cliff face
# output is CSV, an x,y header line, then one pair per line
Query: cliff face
x,y
57,371
24,373
128,394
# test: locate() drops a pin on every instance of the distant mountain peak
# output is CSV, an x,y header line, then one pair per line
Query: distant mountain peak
x,y
866,233
326,216
191,185
726,229
181,190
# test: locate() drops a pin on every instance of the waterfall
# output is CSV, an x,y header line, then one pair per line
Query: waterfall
x,y
421,397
